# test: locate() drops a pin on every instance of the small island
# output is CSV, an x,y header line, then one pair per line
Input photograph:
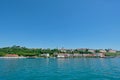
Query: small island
x,y
23,52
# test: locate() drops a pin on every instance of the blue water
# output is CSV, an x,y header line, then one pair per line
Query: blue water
x,y
60,69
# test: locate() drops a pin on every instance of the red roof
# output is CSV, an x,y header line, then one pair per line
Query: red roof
x,y
11,55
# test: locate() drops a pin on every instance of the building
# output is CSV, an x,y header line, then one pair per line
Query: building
x,y
63,55
88,55
45,55
91,50
11,55
102,55
77,55
102,51
60,55
112,51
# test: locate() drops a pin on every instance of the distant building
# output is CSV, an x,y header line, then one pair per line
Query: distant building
x,y
101,55
77,55
112,51
88,55
63,55
45,55
102,51
60,55
94,55
91,50
11,55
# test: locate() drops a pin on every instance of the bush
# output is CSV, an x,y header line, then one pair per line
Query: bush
x,y
2,54
111,54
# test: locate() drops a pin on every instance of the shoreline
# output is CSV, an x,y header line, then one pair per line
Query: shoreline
x,y
55,57
12,57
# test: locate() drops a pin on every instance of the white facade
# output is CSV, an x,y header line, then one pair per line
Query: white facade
x,y
60,56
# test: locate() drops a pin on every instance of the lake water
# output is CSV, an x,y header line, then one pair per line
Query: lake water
x,y
60,69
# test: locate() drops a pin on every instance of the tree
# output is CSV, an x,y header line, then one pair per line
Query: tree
x,y
97,51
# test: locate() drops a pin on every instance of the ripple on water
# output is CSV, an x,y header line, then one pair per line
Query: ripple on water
x,y
60,69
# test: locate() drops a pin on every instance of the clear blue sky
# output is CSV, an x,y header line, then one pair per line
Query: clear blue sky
x,y
60,23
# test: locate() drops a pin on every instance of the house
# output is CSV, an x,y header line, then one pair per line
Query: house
x,y
112,51
45,55
63,55
102,51
11,55
88,55
91,50
101,55
60,55
67,55
77,55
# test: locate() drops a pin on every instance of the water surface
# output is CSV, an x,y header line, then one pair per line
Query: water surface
x,y
60,69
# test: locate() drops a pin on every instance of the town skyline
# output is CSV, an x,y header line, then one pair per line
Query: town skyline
x,y
19,51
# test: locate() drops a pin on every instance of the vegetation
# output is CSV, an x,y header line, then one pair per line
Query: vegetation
x,y
112,54
23,51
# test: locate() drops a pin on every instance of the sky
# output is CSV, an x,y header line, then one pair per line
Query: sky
x,y
60,23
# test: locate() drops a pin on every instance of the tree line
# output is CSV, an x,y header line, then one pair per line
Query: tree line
x,y
23,51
